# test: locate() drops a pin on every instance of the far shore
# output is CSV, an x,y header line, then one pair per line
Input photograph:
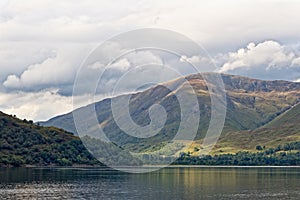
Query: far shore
x,y
148,166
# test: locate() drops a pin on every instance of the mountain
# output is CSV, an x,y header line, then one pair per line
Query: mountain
x,y
255,109
24,143
282,130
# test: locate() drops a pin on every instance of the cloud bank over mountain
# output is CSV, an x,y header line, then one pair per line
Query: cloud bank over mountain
x,y
43,43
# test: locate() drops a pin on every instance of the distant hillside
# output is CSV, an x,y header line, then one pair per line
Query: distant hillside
x,y
280,131
24,143
252,105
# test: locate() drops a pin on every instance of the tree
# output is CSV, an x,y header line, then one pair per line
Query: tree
x,y
259,148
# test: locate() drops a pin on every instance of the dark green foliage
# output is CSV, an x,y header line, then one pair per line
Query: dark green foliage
x,y
259,148
23,143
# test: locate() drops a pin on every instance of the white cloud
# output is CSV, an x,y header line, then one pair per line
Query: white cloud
x,y
52,71
17,56
144,57
296,62
97,65
42,105
266,60
122,65
36,106
58,69
201,62
193,59
129,59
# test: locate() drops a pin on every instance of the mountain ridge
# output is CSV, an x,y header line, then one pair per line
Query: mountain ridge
x,y
251,103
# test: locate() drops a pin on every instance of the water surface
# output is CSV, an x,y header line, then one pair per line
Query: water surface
x,y
169,183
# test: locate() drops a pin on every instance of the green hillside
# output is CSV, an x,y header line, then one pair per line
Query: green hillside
x,y
280,131
24,143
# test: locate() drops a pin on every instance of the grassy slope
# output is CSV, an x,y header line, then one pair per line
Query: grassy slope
x,y
283,129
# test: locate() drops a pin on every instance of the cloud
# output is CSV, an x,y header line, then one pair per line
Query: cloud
x,y
203,63
266,60
144,57
41,49
51,72
96,66
127,63
193,59
215,24
16,57
58,70
122,65
42,105
47,72
35,105
296,62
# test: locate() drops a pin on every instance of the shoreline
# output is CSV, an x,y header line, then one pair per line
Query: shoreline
x,y
150,166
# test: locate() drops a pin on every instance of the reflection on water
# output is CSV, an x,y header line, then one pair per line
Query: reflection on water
x,y
168,183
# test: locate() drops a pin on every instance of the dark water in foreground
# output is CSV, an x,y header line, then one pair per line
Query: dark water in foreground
x,y
169,183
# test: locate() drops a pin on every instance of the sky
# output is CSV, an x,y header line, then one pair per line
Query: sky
x,y
44,43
